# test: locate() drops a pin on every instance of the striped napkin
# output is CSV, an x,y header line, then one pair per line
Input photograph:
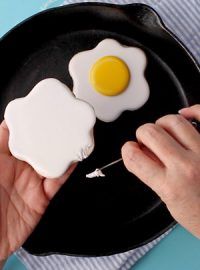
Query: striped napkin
x,y
183,18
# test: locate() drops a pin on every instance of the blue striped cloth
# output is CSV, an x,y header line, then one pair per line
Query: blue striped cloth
x,y
183,18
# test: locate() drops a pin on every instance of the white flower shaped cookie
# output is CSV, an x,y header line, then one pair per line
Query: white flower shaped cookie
x,y
49,128
111,78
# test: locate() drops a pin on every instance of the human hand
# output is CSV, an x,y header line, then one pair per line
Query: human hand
x,y
24,197
167,159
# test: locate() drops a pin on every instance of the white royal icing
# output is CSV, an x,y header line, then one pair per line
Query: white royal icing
x,y
96,173
109,108
49,128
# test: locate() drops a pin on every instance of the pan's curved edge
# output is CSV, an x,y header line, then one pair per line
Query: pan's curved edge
x,y
121,250
53,9
127,9
158,22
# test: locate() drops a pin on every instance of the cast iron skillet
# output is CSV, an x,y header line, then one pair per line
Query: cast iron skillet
x,y
117,213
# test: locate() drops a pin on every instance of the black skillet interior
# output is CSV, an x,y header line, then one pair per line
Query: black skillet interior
x,y
118,212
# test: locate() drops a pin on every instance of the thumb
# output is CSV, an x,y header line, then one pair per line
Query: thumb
x,y
51,186
191,112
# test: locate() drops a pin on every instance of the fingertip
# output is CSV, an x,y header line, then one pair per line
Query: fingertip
x,y
4,125
186,112
130,154
191,112
182,110
195,107
4,137
127,149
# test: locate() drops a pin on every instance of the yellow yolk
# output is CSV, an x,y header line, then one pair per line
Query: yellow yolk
x,y
109,76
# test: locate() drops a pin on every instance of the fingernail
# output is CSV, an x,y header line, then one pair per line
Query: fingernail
x,y
182,110
128,152
124,150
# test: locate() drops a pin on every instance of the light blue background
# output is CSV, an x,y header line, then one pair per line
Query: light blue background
x,y
178,251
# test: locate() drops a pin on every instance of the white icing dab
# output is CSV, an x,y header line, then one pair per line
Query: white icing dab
x,y
96,173
49,128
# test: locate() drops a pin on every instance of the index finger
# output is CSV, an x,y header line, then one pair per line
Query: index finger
x,y
158,141
142,165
